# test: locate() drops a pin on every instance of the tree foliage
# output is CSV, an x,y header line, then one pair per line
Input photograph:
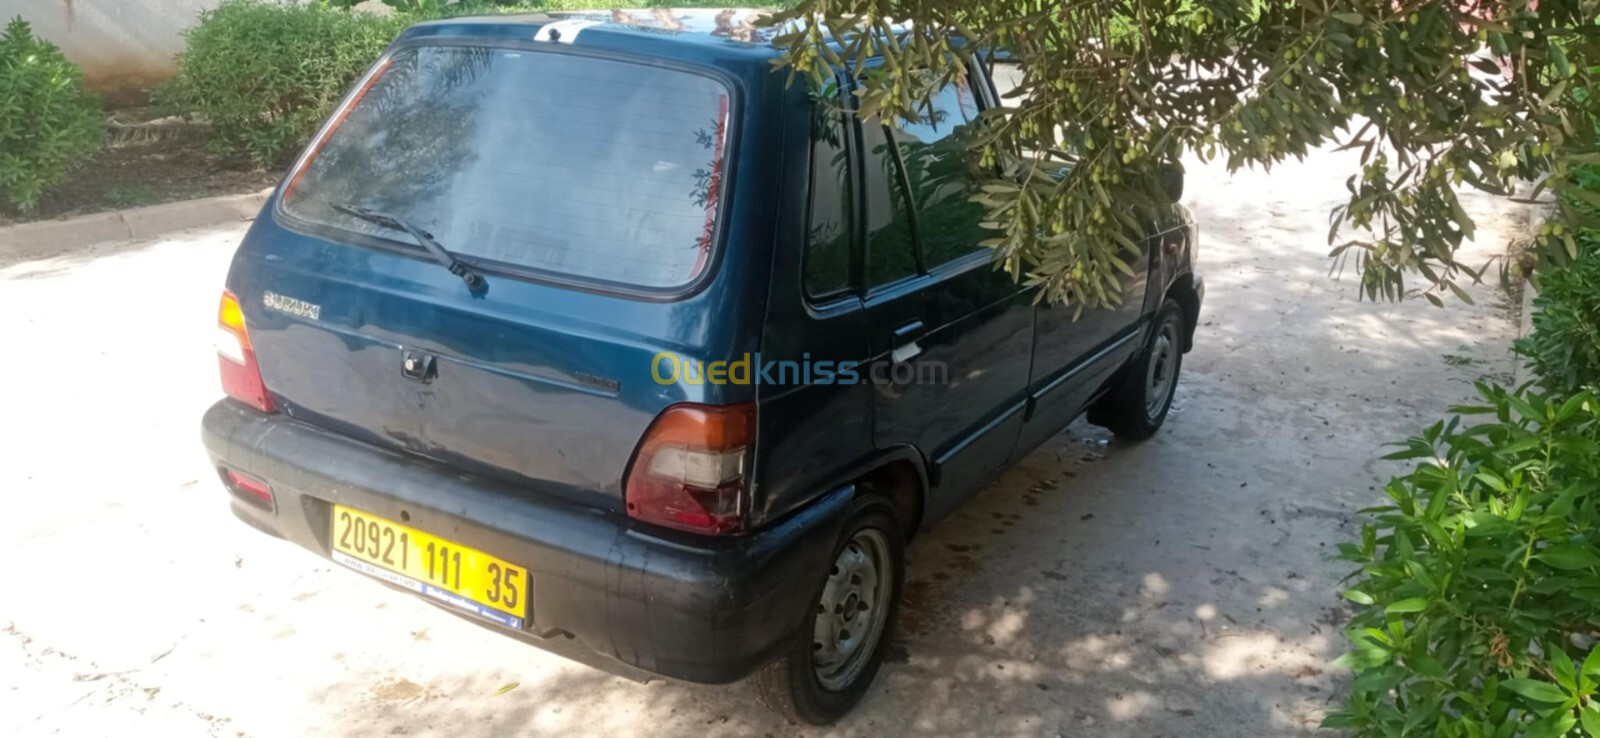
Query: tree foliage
x,y
1435,95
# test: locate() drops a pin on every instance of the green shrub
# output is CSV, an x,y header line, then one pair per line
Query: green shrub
x,y
1480,585
265,74
48,124
1563,349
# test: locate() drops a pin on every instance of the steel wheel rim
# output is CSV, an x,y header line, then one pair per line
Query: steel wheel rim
x,y
853,610
1162,374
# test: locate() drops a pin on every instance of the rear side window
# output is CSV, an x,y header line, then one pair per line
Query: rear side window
x,y
826,266
588,168
937,168
891,244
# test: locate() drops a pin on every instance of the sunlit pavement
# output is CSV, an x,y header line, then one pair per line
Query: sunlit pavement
x,y
1179,587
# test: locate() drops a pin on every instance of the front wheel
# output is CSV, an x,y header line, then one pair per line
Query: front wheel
x,y
842,642
1136,409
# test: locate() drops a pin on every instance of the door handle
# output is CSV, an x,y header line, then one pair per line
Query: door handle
x,y
908,332
905,342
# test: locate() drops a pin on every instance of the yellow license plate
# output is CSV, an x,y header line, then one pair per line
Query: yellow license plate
x,y
432,566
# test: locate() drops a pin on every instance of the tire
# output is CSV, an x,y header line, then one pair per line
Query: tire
x,y
1136,409
809,684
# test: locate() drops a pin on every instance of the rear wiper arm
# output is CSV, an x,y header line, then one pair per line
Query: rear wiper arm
x,y
423,238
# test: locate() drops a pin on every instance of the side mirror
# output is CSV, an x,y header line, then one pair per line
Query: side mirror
x,y
1172,180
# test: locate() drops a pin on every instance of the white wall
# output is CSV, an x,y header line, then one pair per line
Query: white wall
x,y
124,46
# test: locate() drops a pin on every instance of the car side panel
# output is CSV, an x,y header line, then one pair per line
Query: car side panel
x,y
1076,356
979,336
811,434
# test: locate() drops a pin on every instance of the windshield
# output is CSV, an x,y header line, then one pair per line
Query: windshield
x,y
589,168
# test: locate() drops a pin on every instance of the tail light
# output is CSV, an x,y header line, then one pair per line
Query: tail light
x,y
249,488
689,470
241,375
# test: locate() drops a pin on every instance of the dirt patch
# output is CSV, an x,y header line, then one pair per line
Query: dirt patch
x,y
915,605
123,80
397,690
143,170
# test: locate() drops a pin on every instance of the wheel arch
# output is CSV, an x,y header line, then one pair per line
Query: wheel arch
x,y
900,474
1183,291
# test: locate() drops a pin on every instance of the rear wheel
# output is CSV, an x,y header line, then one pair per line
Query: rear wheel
x,y
1138,407
842,642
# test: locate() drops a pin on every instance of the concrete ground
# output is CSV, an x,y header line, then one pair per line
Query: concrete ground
x,y
1178,587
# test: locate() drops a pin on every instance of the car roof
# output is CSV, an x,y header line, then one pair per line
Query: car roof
x,y
733,30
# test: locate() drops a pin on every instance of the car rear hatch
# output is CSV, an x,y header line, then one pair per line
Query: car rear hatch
x,y
590,193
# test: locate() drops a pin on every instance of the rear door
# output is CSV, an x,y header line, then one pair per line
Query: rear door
x,y
1075,355
950,334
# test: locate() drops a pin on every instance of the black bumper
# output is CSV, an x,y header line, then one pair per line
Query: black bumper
x,y
709,610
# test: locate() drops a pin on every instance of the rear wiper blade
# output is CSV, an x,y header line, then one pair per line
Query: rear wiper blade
x,y
423,238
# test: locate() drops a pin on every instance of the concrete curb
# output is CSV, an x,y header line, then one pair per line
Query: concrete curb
x,y
49,238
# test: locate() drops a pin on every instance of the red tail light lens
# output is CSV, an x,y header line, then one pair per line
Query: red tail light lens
x,y
241,375
250,488
689,470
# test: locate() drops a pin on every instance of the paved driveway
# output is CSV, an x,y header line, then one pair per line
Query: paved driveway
x,y
1177,587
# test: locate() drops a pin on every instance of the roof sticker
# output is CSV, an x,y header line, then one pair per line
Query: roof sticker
x,y
563,31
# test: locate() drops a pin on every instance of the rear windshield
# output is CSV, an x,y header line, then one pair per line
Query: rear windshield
x,y
588,168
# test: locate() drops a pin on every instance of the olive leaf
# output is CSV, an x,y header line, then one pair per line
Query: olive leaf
x,y
1437,97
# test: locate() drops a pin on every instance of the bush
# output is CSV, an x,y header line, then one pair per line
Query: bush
x,y
1563,348
265,74
48,124
1480,585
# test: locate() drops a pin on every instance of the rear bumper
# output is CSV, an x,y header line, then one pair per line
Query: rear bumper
x,y
698,609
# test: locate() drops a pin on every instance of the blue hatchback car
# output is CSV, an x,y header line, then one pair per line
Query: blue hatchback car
x,y
592,327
